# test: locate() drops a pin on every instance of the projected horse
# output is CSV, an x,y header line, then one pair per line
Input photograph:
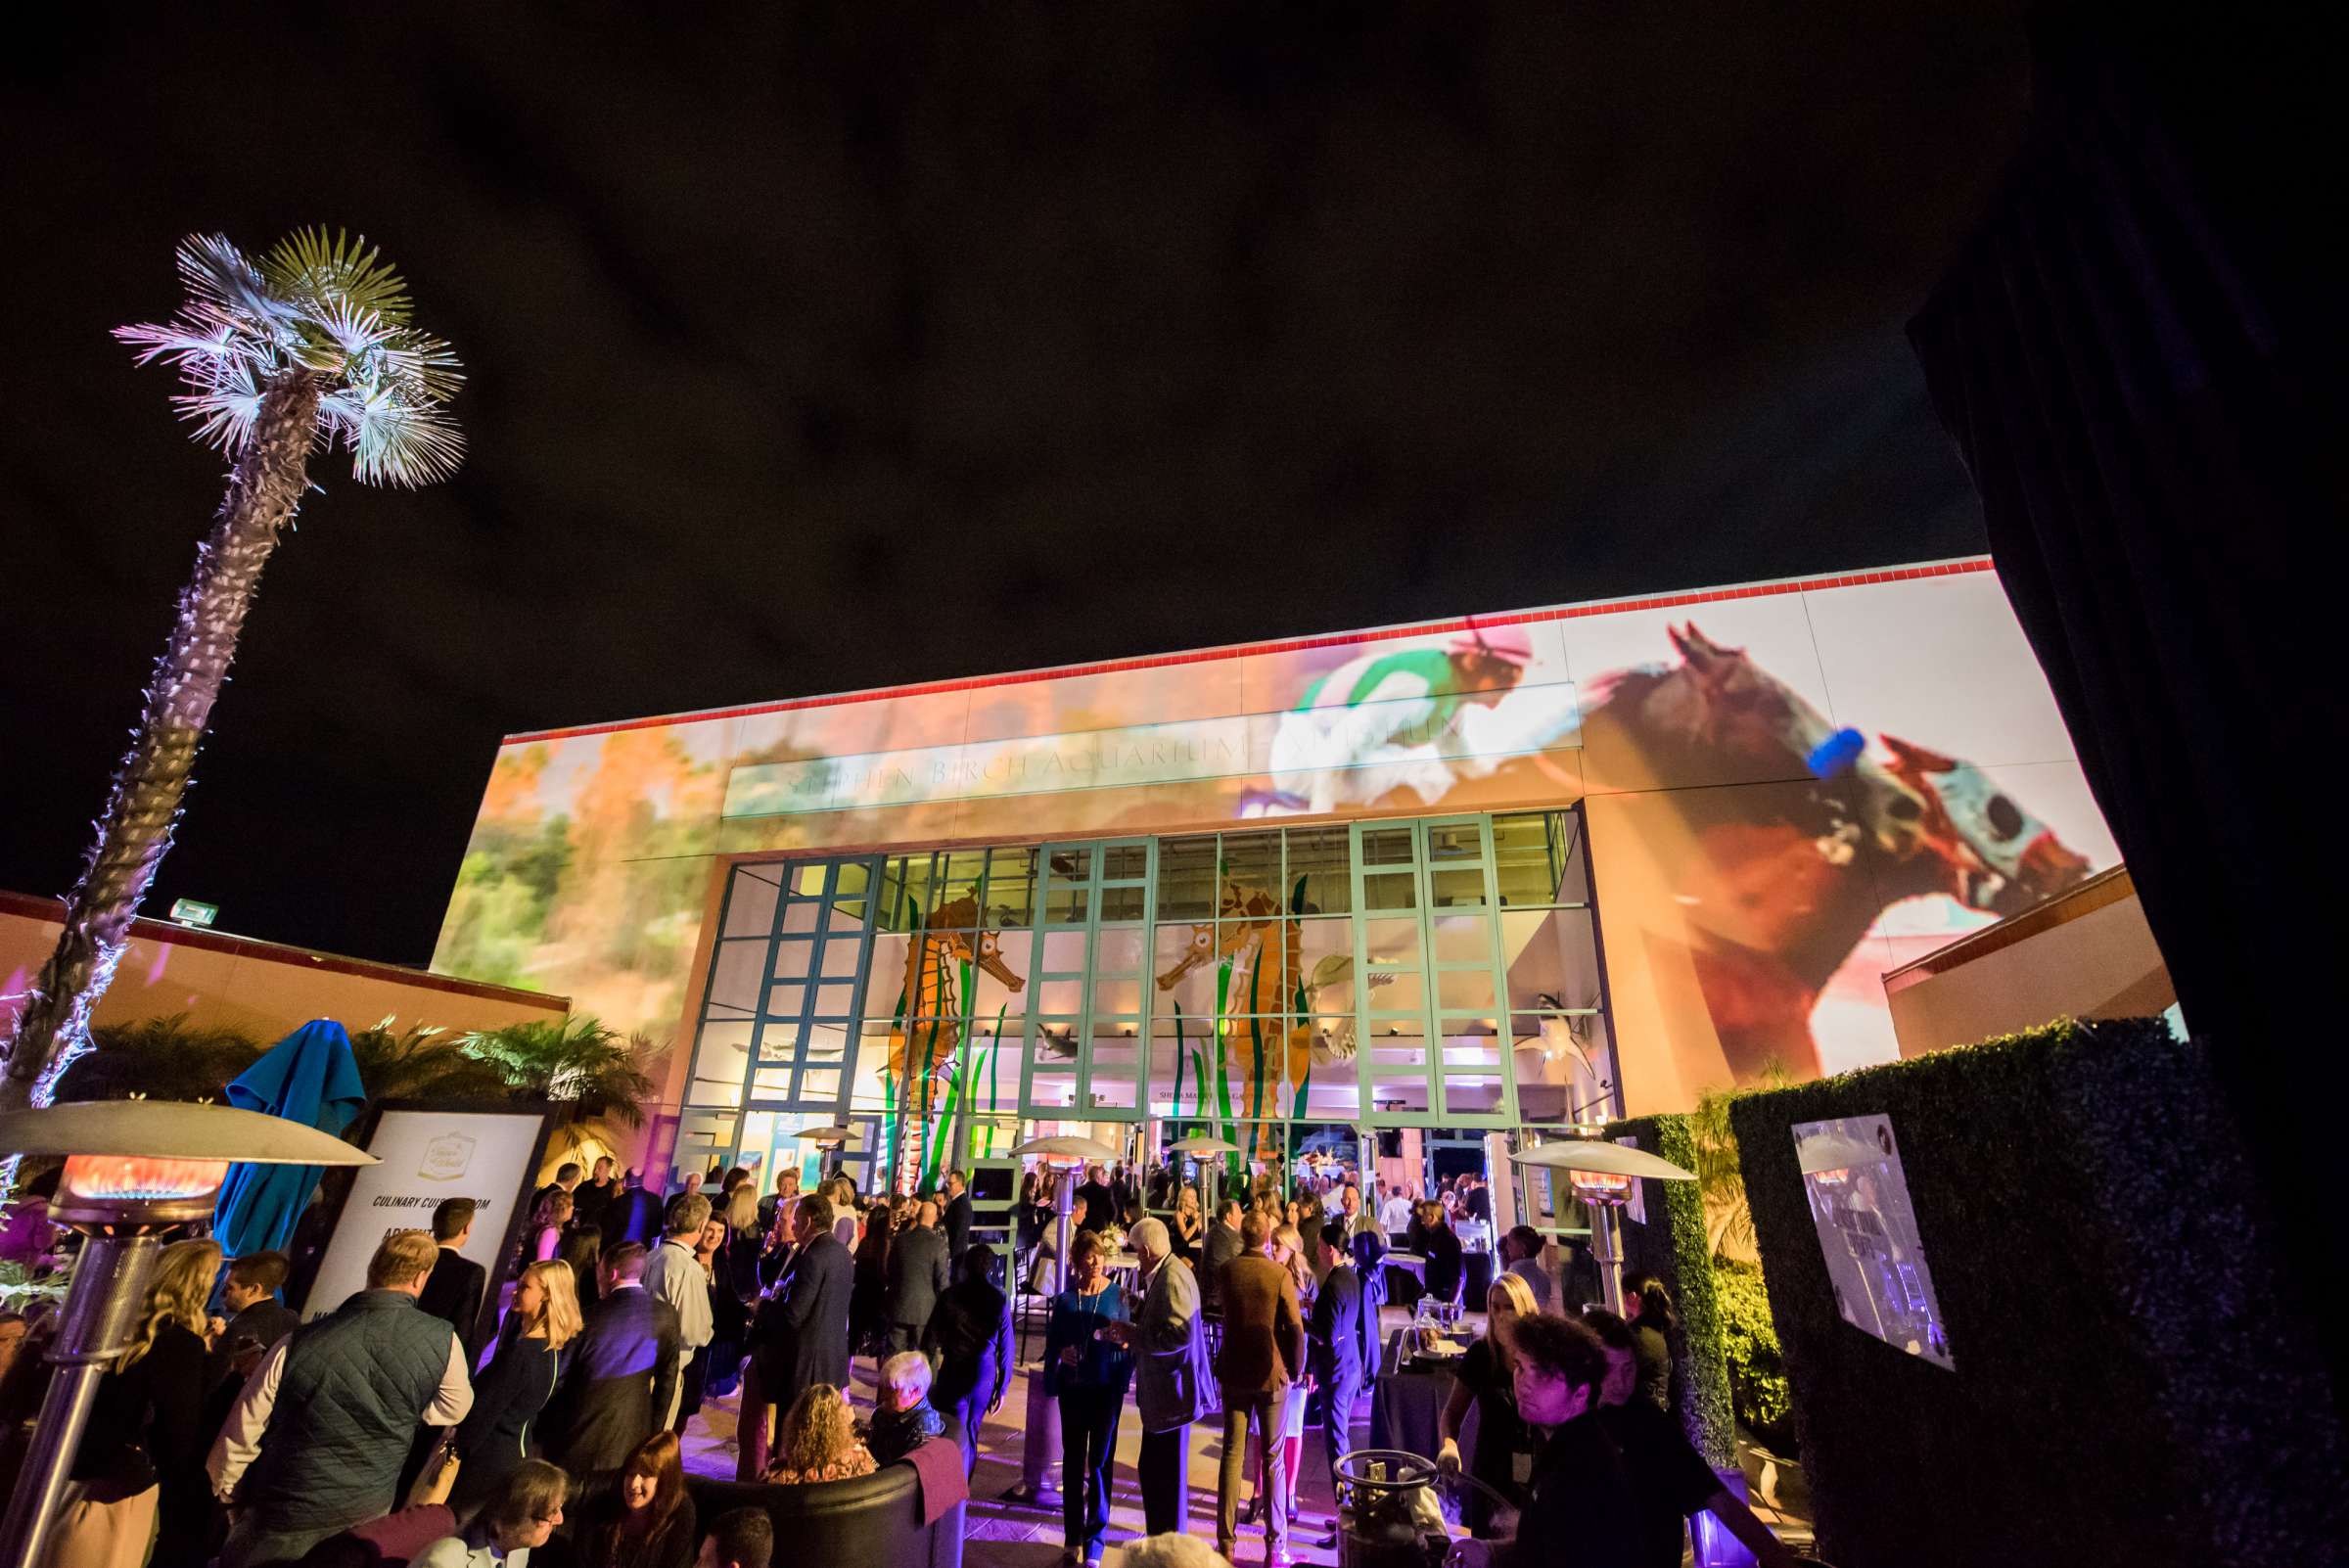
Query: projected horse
x,y
1779,880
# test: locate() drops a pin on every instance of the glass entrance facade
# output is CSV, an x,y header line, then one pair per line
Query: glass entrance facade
x,y
1443,972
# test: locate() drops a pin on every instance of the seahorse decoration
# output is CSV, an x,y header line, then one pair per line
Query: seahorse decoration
x,y
1259,947
926,1031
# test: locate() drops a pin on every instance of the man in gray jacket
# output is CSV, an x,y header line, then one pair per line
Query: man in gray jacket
x,y
1170,1363
675,1274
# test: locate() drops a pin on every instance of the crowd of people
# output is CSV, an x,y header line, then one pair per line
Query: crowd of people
x,y
388,1426
237,1436
1262,1317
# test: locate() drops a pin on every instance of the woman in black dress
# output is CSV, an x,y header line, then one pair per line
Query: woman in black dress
x,y
1486,1383
645,1520
584,1249
1440,1246
1648,1308
970,1334
495,1435
871,1280
141,1461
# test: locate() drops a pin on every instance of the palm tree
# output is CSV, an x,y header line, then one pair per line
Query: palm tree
x,y
306,347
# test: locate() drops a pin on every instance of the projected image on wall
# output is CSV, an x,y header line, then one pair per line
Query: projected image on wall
x,y
1867,1233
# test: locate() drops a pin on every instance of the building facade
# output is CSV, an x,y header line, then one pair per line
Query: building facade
x,y
1471,874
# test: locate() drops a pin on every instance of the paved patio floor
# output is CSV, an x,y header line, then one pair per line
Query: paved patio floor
x,y
1006,1535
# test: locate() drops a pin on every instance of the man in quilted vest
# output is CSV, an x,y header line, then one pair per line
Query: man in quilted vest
x,y
315,1442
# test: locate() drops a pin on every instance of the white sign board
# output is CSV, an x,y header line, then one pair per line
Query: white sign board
x,y
1867,1232
428,1156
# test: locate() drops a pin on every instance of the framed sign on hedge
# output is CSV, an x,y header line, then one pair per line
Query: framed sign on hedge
x,y
1867,1233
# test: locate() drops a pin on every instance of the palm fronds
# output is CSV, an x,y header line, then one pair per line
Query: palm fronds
x,y
327,307
579,1059
164,1058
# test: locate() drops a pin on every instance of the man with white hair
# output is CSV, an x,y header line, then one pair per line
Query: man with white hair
x,y
1171,1371
904,1419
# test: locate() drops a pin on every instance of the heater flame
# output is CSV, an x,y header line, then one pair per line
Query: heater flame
x,y
140,1178
1600,1186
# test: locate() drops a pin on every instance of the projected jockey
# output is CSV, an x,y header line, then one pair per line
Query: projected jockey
x,y
1415,719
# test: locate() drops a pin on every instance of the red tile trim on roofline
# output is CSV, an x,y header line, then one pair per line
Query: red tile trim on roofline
x,y
1244,650
34,906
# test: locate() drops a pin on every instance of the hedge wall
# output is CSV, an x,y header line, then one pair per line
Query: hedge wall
x,y
2127,1390
1674,1246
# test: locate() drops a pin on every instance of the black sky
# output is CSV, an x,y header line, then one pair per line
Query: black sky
x,y
820,347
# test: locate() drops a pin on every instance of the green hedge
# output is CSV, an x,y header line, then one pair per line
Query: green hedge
x,y
2127,1388
1674,1246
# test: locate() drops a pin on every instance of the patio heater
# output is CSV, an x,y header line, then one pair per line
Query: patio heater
x,y
1601,1175
1071,1153
134,1170
1204,1146
833,1138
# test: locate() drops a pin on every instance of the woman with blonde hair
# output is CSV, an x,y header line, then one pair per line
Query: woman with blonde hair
x,y
818,1440
548,1222
1486,1381
141,1462
495,1435
1189,1224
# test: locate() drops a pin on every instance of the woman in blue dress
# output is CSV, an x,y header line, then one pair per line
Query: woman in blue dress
x,y
1088,1376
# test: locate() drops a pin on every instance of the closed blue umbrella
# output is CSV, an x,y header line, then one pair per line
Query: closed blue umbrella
x,y
309,1078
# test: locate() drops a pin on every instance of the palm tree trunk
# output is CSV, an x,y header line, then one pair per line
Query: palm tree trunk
x,y
143,808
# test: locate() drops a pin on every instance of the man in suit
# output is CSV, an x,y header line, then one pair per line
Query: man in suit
x,y
623,1371
634,1215
800,1335
917,1275
1222,1244
1171,1374
779,1201
595,1194
453,1291
957,1216
1335,1348
1262,1354
567,1180
1097,1205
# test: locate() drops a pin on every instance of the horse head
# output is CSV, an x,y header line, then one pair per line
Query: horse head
x,y
2001,857
1733,707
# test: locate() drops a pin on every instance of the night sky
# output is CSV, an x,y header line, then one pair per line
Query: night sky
x,y
837,347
